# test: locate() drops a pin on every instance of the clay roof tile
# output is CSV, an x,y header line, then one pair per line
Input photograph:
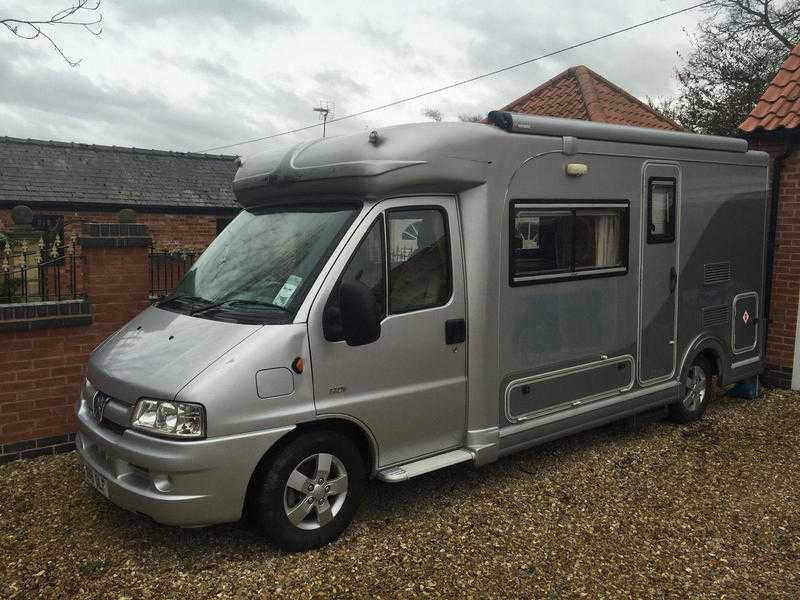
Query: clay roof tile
x,y
779,106
580,93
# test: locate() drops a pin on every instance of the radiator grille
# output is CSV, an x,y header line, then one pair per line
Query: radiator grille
x,y
719,272
715,315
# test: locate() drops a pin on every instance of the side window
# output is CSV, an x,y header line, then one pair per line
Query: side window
x,y
553,241
419,259
542,241
366,266
661,211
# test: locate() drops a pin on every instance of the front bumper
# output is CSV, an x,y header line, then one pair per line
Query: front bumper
x,y
186,483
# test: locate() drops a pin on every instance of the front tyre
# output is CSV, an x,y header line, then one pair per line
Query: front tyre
x,y
306,496
695,391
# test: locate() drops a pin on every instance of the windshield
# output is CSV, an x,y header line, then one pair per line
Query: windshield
x,y
262,264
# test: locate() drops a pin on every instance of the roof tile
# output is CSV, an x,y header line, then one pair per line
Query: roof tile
x,y
580,93
35,171
779,106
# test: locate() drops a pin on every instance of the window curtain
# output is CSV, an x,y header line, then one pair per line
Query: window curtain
x,y
607,236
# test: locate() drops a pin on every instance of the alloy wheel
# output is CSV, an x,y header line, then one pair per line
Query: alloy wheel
x,y
694,393
315,491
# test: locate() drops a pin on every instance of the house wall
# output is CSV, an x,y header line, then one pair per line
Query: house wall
x,y
786,269
186,230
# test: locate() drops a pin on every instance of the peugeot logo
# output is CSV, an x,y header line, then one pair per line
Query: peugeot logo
x,y
99,403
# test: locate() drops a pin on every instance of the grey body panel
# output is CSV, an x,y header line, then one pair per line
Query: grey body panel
x,y
556,389
158,352
409,388
165,355
589,349
174,482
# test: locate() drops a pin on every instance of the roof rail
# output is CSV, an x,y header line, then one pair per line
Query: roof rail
x,y
536,125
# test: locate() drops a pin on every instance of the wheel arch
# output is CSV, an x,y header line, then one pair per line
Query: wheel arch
x,y
353,428
712,349
356,430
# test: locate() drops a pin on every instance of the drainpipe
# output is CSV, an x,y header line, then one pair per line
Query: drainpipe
x,y
773,223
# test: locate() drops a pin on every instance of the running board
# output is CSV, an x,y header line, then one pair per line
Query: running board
x,y
426,465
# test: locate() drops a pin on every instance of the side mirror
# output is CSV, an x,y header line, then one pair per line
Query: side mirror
x,y
360,317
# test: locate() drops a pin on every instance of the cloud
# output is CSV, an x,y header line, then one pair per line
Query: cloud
x,y
142,116
338,84
245,16
384,38
202,73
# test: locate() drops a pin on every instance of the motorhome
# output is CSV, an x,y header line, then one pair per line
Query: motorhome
x,y
393,302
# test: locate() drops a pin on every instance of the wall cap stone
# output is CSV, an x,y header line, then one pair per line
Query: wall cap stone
x,y
42,315
115,235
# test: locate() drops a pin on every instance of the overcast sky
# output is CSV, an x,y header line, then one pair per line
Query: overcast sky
x,y
192,74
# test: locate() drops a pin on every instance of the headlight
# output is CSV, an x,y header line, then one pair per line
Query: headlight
x,y
173,419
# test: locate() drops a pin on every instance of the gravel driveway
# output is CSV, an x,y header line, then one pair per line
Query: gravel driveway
x,y
649,510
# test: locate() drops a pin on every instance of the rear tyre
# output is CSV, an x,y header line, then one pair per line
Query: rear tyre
x,y
696,389
307,494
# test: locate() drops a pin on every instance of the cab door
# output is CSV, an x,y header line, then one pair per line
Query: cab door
x,y
409,386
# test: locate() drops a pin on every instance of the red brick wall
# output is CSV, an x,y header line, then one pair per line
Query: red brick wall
x,y
187,230
41,371
786,267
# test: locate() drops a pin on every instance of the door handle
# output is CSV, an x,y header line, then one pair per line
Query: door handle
x,y
455,331
673,279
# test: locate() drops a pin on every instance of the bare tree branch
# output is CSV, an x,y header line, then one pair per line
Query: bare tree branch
x,y
470,117
736,51
434,114
86,15
762,14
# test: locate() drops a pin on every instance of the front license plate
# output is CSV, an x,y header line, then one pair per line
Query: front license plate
x,y
97,481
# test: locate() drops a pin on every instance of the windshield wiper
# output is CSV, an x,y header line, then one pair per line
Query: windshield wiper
x,y
234,302
182,298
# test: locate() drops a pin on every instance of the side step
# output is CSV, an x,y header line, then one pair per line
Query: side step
x,y
426,465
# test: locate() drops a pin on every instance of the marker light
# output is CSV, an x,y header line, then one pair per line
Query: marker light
x,y
577,169
298,365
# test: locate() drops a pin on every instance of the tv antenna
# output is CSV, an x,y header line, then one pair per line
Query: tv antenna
x,y
326,110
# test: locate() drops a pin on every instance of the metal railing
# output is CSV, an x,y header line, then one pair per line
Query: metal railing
x,y
167,268
40,274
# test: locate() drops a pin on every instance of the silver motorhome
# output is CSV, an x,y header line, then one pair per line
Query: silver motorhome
x,y
395,302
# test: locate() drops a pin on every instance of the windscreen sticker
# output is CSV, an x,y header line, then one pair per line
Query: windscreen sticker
x,y
287,291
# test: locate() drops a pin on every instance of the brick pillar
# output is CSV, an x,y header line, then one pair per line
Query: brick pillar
x,y
45,345
116,269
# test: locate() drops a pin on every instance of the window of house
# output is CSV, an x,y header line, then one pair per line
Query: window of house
x,y
562,241
419,259
661,210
